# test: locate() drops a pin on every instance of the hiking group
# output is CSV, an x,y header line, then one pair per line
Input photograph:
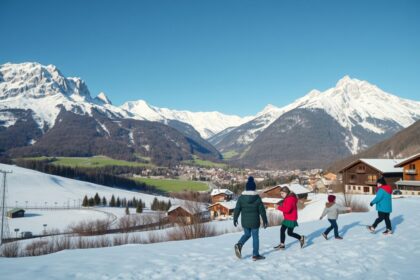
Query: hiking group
x,y
251,208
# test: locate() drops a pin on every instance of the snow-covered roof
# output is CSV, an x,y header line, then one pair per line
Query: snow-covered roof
x,y
294,187
227,204
408,160
271,200
174,207
384,165
408,183
298,189
219,191
192,210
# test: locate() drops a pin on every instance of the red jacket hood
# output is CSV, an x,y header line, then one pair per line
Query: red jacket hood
x,y
386,188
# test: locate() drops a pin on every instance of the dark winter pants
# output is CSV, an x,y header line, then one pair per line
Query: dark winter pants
x,y
289,232
255,239
333,226
383,216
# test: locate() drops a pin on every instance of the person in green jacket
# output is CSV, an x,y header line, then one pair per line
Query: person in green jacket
x,y
250,206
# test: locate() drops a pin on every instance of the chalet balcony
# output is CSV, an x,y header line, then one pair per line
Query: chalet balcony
x,y
411,171
360,171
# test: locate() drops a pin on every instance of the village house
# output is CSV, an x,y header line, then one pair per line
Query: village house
x,y
410,183
16,213
271,202
222,210
360,176
274,192
184,214
219,195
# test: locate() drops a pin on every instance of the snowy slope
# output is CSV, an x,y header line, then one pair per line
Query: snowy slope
x,y
360,255
38,188
206,123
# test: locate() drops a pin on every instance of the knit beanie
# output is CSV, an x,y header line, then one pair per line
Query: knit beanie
x,y
381,181
250,185
331,198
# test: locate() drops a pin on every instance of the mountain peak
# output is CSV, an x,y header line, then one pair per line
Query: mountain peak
x,y
269,108
345,81
103,98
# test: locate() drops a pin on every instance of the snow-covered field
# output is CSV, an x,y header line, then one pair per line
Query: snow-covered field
x,y
55,220
39,190
361,255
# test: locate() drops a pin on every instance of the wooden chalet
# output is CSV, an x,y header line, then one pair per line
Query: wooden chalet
x,y
270,202
219,195
182,214
410,183
274,192
360,176
222,209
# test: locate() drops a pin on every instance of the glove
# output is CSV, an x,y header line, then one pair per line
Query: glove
x,y
371,204
235,223
265,225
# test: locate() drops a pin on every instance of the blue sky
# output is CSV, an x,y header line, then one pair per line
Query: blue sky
x,y
230,56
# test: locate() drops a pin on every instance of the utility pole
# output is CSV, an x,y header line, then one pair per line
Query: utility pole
x,y
3,205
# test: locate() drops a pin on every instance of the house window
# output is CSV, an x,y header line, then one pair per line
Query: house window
x,y
352,178
372,178
361,169
358,188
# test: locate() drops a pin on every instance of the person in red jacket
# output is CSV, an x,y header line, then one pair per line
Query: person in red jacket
x,y
289,209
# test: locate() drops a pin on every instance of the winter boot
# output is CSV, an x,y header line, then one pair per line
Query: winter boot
x,y
280,247
238,249
371,229
387,232
302,241
339,237
325,236
257,258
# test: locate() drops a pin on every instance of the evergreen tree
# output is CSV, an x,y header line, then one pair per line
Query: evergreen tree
x,y
118,202
91,202
127,211
97,199
169,205
104,202
139,208
112,203
85,202
155,204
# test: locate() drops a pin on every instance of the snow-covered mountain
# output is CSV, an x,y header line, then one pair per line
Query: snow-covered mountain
x,y
44,91
362,109
357,104
42,112
206,123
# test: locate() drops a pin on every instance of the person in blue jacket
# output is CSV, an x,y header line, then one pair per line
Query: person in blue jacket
x,y
383,201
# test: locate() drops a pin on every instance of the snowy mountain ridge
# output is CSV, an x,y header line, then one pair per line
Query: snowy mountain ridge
x,y
44,89
353,103
206,123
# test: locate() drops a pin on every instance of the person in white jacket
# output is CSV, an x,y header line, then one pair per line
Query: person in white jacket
x,y
331,211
